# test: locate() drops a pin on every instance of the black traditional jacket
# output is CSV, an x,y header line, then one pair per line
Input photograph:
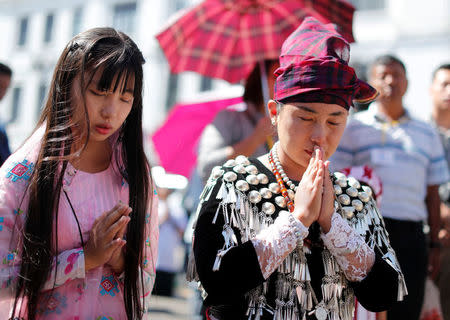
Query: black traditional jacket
x,y
236,288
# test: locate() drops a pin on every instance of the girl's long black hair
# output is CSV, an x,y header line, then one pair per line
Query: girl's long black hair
x,y
117,57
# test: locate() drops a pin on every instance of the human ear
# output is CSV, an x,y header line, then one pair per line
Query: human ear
x,y
272,107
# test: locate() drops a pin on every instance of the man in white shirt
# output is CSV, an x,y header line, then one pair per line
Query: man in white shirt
x,y
407,155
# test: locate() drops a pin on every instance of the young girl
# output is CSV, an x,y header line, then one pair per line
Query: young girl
x,y
79,234
280,238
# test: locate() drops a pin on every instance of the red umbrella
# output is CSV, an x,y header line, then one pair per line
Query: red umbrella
x,y
225,38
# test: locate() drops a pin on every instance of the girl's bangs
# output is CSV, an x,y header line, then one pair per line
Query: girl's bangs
x,y
116,70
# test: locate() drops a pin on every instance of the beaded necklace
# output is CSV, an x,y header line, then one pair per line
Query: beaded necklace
x,y
281,177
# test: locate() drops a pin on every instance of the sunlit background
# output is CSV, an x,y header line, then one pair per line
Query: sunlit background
x,y
34,32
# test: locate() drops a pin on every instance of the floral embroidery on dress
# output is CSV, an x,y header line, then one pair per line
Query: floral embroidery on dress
x,y
109,286
2,220
18,211
21,170
53,302
145,263
147,218
104,318
71,259
9,258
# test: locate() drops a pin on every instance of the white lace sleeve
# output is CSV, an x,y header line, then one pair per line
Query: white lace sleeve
x,y
272,245
352,253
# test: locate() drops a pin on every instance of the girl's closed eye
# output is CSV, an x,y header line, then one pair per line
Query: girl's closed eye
x,y
127,98
98,92
306,119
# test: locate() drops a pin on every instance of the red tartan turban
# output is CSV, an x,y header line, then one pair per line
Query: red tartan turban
x,y
314,68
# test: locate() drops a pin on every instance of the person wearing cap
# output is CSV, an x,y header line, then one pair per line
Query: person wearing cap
x,y
279,237
408,157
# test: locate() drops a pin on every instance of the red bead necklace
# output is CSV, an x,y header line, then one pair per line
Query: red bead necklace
x,y
289,202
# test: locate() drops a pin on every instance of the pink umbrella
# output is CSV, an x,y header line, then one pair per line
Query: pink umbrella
x,y
176,140
225,38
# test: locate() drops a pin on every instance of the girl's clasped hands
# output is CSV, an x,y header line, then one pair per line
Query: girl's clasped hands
x,y
106,239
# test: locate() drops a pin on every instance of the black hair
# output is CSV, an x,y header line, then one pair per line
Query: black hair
x,y
253,90
385,60
445,66
115,56
4,69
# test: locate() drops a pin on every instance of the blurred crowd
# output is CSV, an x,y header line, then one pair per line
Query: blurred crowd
x,y
404,160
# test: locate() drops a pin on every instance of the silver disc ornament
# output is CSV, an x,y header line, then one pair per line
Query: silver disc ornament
x,y
321,313
344,199
242,160
230,163
239,168
265,193
337,189
254,196
251,169
274,187
252,179
280,201
230,176
268,208
262,178
242,185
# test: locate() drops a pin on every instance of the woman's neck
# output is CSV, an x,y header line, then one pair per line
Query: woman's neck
x,y
292,170
95,157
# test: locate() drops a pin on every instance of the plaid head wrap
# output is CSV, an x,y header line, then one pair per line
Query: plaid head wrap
x,y
314,68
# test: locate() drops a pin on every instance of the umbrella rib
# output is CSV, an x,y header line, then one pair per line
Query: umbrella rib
x,y
269,32
232,40
209,52
180,33
291,18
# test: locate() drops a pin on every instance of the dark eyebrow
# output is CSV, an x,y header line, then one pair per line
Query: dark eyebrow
x,y
131,91
307,109
128,90
334,114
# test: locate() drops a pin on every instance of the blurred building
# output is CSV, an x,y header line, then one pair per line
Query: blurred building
x,y
35,32
416,31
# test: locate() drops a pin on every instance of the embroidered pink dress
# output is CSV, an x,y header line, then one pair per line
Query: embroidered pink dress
x,y
77,294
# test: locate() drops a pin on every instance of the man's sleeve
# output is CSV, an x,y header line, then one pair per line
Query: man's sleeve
x,y
437,171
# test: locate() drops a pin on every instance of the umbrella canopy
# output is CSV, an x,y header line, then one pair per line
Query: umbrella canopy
x,y
225,38
176,140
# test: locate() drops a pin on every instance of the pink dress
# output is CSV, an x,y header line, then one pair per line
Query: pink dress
x,y
77,294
